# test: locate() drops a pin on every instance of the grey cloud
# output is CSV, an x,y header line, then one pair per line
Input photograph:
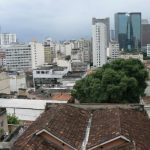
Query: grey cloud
x,y
61,19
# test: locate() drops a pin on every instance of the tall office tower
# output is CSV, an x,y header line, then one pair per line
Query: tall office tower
x,y
145,33
7,38
100,37
128,31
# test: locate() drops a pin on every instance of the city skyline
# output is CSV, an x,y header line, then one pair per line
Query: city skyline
x,y
40,19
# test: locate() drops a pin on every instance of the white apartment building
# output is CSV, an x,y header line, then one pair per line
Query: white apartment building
x,y
18,57
100,37
24,56
148,50
68,47
37,54
48,75
7,38
114,52
76,55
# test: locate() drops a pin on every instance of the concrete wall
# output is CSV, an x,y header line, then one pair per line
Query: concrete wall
x,y
4,83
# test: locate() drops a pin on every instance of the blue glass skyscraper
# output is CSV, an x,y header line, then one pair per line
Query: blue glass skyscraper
x,y
128,31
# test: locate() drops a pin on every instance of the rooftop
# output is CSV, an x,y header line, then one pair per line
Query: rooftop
x,y
49,67
146,100
62,96
69,124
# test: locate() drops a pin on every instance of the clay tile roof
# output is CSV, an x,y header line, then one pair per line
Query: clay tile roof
x,y
62,96
104,127
69,124
125,146
65,122
39,143
110,123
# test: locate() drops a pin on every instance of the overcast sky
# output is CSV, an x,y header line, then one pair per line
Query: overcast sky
x,y
61,19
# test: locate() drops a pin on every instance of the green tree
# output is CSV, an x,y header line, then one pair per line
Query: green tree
x,y
12,119
121,81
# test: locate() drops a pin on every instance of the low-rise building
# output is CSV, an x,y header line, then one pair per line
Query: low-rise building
x,y
48,75
132,55
4,83
65,127
12,82
3,122
17,81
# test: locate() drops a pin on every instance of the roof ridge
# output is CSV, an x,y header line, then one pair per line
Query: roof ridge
x,y
119,121
86,137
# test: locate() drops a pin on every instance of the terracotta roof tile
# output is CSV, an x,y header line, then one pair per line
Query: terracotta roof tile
x,y
64,122
69,124
110,123
62,96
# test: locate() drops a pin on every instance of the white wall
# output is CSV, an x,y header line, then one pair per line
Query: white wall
x,y
99,44
68,48
148,50
37,54
64,63
17,82
4,83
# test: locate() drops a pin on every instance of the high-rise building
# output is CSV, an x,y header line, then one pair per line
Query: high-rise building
x,y
7,38
18,57
145,33
37,54
148,50
100,37
24,56
49,51
114,50
128,30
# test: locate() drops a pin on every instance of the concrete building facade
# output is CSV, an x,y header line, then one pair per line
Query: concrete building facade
x,y
114,52
128,30
7,38
37,54
49,51
148,50
18,57
100,37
